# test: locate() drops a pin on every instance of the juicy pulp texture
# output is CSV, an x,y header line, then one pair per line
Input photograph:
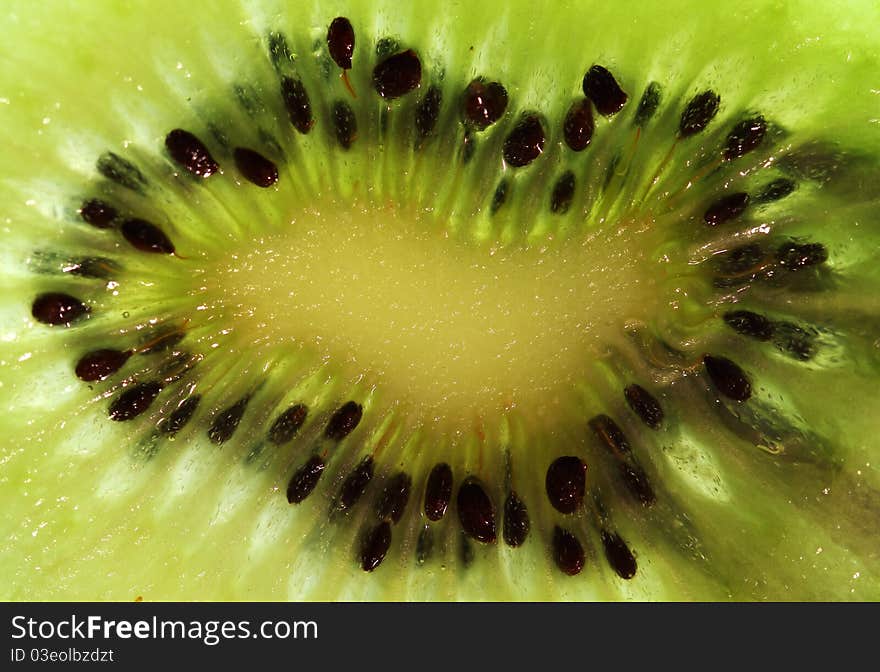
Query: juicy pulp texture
x,y
456,331
486,339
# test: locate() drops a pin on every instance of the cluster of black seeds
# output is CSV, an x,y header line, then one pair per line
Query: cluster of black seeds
x,y
794,340
476,515
632,475
767,262
343,421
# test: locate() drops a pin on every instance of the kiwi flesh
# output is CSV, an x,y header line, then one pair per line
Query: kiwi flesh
x,y
360,300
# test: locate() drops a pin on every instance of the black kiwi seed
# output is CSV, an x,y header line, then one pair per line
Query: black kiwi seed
x,y
578,125
92,267
795,256
146,237
255,167
394,497
611,434
343,421
438,491
644,405
227,421
397,75
567,552
700,110
180,416
344,123
606,94
375,546
618,555
173,368
729,379
340,42
794,340
500,196
247,98
297,104
750,324
776,190
356,483
469,145
525,142
563,193
279,52
219,136
726,208
386,46
744,137
428,112
287,424
424,545
122,172
98,213
565,483
483,103
475,512
741,259
305,479
134,401
187,150
636,481
99,364
56,308
516,521
648,104
162,342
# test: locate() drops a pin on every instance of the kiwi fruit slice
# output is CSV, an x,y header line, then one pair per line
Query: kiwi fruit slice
x,y
371,300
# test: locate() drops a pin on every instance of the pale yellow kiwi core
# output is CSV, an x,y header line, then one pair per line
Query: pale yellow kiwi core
x,y
451,328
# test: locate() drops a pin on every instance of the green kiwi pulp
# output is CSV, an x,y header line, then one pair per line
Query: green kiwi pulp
x,y
355,300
